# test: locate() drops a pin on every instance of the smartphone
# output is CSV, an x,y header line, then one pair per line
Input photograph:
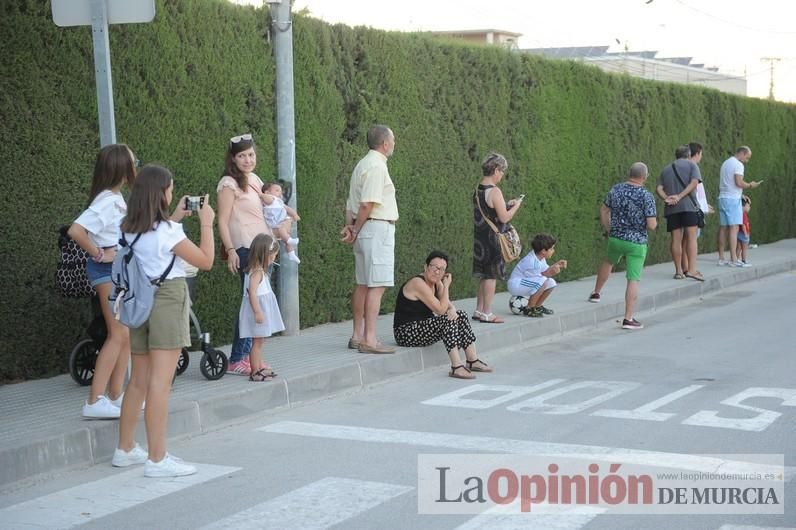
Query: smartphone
x,y
193,204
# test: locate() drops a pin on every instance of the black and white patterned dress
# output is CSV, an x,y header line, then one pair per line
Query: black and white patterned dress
x,y
415,325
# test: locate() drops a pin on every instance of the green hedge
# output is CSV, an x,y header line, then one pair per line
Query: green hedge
x,y
203,71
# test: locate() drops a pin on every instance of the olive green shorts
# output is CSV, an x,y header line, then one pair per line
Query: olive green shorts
x,y
168,324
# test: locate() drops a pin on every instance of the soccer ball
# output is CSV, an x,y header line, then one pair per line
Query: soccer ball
x,y
517,304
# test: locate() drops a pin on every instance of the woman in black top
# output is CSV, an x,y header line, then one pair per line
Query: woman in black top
x,y
488,265
424,315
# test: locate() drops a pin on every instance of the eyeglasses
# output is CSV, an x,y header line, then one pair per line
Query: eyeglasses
x,y
238,139
434,268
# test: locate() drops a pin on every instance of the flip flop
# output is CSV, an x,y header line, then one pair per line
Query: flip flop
x,y
697,276
490,318
477,315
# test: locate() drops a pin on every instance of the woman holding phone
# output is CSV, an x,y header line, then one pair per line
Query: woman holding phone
x,y
488,264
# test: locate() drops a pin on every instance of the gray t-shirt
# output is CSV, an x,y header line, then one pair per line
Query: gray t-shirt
x,y
688,171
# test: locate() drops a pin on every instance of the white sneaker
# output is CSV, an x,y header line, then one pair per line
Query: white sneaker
x,y
292,256
134,456
722,263
118,402
168,467
740,264
102,409
293,241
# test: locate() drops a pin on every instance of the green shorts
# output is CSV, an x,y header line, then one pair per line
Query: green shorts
x,y
168,324
633,253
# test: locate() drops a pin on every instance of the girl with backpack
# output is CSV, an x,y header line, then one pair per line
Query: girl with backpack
x,y
97,232
156,344
259,314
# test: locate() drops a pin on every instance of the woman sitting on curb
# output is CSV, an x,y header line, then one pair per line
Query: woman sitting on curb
x,y
424,315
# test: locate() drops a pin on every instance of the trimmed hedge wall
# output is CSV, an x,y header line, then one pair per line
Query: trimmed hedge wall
x,y
203,71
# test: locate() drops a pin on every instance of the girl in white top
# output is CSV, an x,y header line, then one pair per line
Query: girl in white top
x,y
97,232
157,343
259,314
278,216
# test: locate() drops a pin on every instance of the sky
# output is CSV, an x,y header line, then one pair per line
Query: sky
x,y
732,35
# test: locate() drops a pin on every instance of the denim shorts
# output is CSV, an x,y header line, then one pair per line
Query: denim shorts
x,y
98,273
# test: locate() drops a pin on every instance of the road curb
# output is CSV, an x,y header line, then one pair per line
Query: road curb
x,y
95,442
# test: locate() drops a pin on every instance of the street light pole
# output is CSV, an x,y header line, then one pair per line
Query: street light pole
x,y
282,37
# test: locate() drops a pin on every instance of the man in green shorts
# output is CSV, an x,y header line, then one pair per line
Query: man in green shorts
x,y
626,214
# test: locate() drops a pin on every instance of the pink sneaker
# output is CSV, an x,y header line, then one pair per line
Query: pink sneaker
x,y
240,368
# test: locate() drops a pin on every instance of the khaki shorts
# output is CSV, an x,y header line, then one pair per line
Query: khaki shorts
x,y
374,254
168,325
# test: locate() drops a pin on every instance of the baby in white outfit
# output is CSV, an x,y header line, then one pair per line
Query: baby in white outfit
x,y
280,217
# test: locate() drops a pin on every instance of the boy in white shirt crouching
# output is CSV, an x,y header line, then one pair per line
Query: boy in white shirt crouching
x,y
533,279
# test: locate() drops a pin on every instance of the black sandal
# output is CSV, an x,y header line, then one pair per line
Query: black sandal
x,y
472,368
457,376
261,376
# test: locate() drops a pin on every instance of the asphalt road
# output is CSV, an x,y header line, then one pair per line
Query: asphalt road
x,y
715,377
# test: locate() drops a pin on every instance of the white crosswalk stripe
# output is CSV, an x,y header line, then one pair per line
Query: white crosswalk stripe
x,y
746,527
460,442
322,504
88,502
545,517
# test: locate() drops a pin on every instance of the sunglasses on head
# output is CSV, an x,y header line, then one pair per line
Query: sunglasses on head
x,y
238,139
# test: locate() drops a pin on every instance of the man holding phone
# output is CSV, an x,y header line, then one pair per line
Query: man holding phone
x,y
731,187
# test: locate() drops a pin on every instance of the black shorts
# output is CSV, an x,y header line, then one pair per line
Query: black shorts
x,y
681,220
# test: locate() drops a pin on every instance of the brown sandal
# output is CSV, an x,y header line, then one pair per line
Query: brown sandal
x,y
482,368
467,375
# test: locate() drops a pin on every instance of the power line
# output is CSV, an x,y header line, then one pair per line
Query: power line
x,y
732,23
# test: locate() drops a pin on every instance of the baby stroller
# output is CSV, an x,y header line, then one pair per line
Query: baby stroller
x,y
213,364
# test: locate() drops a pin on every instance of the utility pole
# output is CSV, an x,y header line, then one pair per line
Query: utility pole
x,y
771,61
282,37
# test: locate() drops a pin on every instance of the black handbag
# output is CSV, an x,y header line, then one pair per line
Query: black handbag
x,y
699,213
71,280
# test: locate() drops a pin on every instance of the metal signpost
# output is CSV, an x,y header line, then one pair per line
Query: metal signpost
x,y
98,14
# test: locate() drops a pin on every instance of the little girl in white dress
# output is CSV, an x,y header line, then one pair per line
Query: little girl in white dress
x,y
259,311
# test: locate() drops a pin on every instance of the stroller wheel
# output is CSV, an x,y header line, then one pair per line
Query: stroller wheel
x,y
182,362
82,361
214,364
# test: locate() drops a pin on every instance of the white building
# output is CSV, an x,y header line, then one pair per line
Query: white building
x,y
646,66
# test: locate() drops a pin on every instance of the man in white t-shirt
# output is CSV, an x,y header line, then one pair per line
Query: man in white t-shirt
x,y
731,186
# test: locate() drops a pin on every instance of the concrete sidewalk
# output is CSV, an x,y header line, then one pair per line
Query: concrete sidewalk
x,y
44,432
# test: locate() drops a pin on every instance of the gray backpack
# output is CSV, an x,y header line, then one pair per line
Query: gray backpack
x,y
134,294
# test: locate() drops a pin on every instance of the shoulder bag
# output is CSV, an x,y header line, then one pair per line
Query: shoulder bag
x,y
699,213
